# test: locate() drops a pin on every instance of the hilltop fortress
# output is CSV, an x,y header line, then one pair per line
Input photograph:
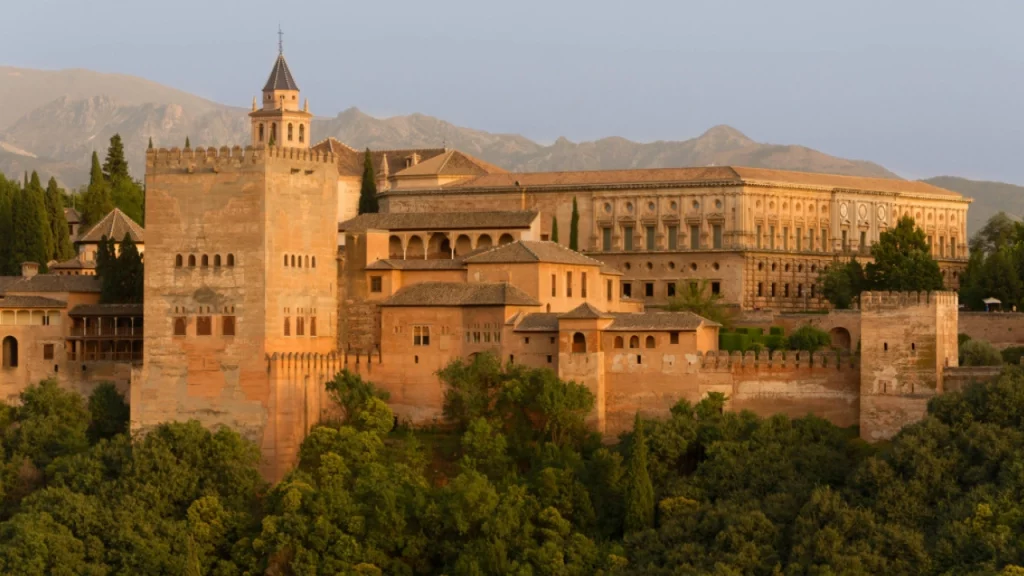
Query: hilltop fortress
x,y
262,282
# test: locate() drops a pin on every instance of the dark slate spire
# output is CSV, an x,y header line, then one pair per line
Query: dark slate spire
x,y
280,76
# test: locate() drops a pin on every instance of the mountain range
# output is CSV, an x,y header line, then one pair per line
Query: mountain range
x,y
52,121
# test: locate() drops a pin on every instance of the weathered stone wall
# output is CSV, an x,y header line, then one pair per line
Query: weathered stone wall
x,y
1001,329
957,378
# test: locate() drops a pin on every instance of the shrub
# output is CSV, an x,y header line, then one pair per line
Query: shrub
x,y
809,338
979,353
1013,354
777,331
962,338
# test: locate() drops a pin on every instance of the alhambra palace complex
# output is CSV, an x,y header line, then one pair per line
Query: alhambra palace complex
x,y
262,282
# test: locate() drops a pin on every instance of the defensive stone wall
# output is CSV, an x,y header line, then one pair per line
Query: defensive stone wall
x,y
1001,329
225,159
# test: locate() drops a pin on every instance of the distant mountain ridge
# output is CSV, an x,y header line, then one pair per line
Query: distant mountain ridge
x,y
53,120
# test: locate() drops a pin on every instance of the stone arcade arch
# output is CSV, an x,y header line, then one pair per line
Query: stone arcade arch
x,y
840,338
463,245
506,238
438,247
415,248
579,343
395,247
484,241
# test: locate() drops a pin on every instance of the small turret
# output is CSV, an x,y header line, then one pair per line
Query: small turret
x,y
280,120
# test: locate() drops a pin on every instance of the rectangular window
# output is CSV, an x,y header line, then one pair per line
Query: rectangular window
x,y
627,289
300,326
376,284
47,351
627,238
757,233
785,237
649,289
476,337
670,289
312,325
845,242
716,287
760,288
863,240
583,284
606,239
942,246
716,235
544,237
287,326
673,237
952,246
650,237
694,237
771,237
799,239
549,358
227,326
497,336
554,287
785,290
179,326
810,239
421,335
824,240
487,337
609,290
773,290
568,284
45,320
204,326
673,337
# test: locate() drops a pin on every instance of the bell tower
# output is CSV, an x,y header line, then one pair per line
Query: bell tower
x,y
279,121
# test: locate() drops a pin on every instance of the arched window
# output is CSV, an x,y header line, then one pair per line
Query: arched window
x,y
285,260
314,261
192,260
178,260
273,132
293,260
231,259
618,342
261,132
300,261
634,341
179,326
649,343
10,352
205,261
579,343
307,261
302,132
289,131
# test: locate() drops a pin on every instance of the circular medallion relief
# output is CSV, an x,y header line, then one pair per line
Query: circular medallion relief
x,y
650,206
881,213
718,203
844,211
696,205
607,207
674,205
863,210
629,207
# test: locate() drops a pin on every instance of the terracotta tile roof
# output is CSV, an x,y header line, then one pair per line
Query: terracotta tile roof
x,y
460,294
606,269
584,311
451,163
532,251
7,281
30,302
417,264
657,321
75,263
397,221
697,176
280,77
51,283
539,322
114,226
106,310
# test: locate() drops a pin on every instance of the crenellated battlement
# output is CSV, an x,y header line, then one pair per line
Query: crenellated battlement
x,y
777,361
873,301
226,159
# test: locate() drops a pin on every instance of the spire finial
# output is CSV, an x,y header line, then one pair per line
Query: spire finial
x,y
280,41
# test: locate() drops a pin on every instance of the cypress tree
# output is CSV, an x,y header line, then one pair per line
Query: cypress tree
x,y
574,227
109,272
39,196
150,142
30,228
639,491
115,167
8,191
129,272
554,229
96,202
368,191
62,249
187,143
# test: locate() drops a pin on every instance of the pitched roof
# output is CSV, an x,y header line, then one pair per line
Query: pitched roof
x,y
539,322
51,283
396,221
460,294
280,77
75,263
451,163
72,216
584,311
694,176
416,264
30,302
106,310
684,321
532,251
114,226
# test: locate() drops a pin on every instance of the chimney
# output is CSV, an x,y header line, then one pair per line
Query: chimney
x,y
29,269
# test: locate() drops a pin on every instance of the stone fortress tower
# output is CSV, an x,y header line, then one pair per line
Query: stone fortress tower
x,y
242,266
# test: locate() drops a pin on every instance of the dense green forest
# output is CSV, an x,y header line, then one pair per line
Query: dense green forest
x,y
513,482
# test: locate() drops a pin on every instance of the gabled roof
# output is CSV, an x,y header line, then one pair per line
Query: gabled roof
x,y
532,251
51,283
539,322
280,77
451,163
72,216
106,310
397,221
30,302
657,321
114,226
416,264
584,311
460,294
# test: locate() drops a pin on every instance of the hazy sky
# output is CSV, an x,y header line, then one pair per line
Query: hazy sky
x,y
924,87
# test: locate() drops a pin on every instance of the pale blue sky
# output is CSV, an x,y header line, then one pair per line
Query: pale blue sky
x,y
924,87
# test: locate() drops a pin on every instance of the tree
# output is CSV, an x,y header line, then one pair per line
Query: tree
x,y
115,167
9,192
352,394
108,272
30,228
979,353
639,490
368,191
96,201
809,338
574,227
903,261
150,147
1001,230
62,248
130,275
554,228
841,284
108,413
187,143
697,297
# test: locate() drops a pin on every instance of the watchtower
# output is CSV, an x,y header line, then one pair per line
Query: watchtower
x,y
278,121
